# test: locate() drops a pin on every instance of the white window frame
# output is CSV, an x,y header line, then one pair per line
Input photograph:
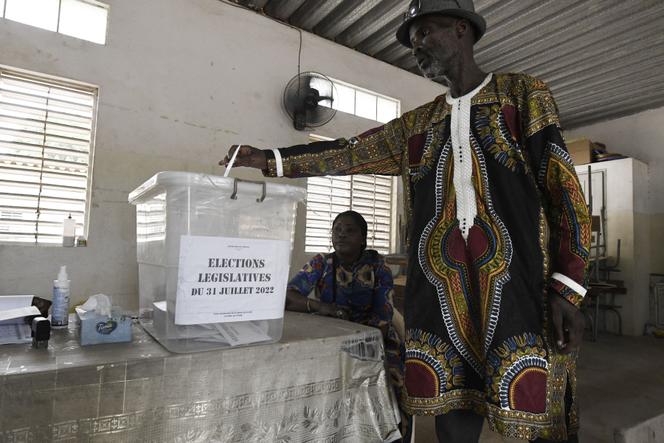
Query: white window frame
x,y
83,223
309,247
3,10
356,89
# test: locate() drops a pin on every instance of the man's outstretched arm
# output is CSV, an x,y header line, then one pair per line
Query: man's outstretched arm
x,y
377,151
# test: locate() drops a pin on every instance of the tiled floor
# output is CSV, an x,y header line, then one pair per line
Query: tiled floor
x,y
621,383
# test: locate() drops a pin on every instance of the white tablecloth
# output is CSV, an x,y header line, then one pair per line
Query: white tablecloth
x,y
323,382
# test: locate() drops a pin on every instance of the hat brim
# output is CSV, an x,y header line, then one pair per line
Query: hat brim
x,y
478,22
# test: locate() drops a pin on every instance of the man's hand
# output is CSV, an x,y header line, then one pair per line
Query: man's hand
x,y
248,156
568,324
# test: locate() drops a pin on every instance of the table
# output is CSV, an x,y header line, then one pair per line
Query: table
x,y
323,382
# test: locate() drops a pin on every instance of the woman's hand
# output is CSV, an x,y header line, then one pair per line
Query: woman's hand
x,y
248,156
334,310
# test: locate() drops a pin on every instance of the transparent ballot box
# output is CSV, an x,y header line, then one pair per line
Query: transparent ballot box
x,y
213,259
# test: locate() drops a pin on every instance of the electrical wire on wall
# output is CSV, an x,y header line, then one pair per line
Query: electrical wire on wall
x,y
262,12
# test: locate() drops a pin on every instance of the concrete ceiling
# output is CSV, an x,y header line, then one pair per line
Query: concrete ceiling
x,y
602,58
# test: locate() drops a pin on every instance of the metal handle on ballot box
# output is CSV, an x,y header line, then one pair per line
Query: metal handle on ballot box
x,y
258,200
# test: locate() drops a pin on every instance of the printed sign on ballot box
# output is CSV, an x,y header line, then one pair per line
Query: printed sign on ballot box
x,y
223,279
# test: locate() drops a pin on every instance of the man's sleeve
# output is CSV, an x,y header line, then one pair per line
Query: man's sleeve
x,y
564,203
377,151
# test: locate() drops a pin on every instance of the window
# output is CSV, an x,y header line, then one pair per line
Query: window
x,y
370,195
84,19
361,102
46,136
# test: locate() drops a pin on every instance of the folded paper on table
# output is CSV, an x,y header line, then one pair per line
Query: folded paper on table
x,y
242,333
9,305
13,311
15,301
17,315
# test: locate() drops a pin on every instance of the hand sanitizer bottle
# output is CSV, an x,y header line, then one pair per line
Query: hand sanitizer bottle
x,y
60,308
68,232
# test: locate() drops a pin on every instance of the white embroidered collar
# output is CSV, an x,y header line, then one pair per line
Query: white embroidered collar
x,y
451,100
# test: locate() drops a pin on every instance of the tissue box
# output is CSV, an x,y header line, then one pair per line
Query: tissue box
x,y
97,329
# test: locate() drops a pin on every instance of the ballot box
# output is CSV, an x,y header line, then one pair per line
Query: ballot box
x,y
213,259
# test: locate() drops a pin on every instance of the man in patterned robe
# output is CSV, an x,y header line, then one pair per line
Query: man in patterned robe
x,y
499,236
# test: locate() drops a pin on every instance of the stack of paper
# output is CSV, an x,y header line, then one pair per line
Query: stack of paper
x,y
13,310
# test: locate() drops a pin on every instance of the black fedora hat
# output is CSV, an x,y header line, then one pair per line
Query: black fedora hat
x,y
455,8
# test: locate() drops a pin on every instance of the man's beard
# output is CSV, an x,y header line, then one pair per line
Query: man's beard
x,y
435,71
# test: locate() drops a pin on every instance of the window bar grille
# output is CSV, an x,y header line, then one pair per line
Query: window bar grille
x,y
41,170
47,135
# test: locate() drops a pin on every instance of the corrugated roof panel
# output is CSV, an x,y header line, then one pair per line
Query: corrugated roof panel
x,y
343,16
312,13
380,39
255,4
602,58
393,52
282,9
371,22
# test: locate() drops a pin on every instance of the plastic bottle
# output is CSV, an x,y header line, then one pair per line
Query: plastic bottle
x,y
60,308
68,232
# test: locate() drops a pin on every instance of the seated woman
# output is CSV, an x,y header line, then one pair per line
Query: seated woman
x,y
352,283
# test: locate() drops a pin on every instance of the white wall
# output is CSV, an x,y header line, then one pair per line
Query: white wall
x,y
640,136
179,82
